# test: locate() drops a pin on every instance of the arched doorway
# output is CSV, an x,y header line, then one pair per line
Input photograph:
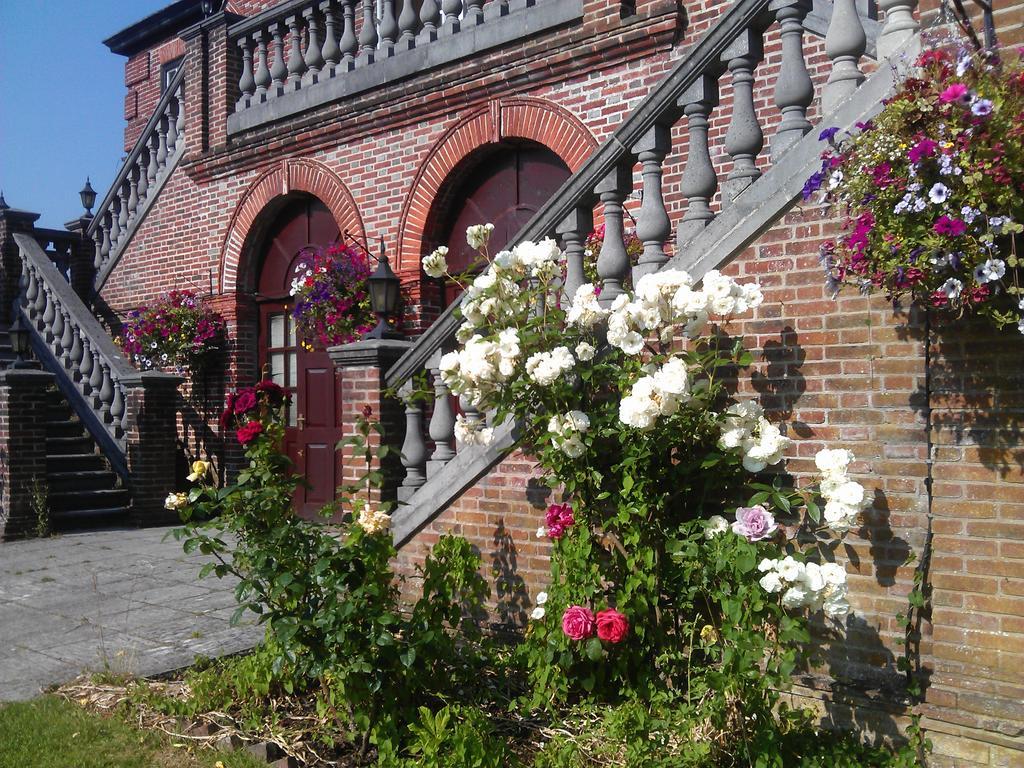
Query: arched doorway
x,y
504,184
313,427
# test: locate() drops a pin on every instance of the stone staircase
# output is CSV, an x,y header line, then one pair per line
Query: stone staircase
x,y
83,489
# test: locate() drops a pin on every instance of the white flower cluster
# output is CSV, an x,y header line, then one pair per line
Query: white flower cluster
x,y
545,368
818,587
481,365
566,431
538,613
844,498
585,312
474,432
478,235
745,428
374,522
658,394
665,300
436,264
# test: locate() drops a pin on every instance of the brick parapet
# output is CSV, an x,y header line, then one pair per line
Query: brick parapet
x,y
155,462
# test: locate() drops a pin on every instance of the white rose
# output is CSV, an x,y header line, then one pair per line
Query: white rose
x,y
714,526
578,420
794,597
537,613
436,264
542,597
573,447
542,532
478,235
836,607
833,573
851,494
584,351
789,569
771,582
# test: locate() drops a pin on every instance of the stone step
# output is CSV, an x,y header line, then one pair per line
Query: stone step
x,y
94,517
72,501
64,428
82,480
73,462
79,443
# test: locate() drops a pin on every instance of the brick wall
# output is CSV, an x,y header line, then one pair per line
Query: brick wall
x,y
886,382
142,83
23,412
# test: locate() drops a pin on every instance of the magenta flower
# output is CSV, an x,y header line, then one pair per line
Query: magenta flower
x,y
951,227
955,92
754,523
924,148
558,518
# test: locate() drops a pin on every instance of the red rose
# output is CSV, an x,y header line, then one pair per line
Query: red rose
x,y
612,626
249,432
275,392
578,622
245,401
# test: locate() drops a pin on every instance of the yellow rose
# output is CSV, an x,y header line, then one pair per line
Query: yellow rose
x,y
199,471
175,501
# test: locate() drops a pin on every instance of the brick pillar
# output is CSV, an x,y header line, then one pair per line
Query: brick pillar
x,y
23,405
362,366
152,446
11,221
83,259
211,82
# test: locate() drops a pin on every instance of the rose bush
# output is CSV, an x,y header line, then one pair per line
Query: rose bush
x,y
625,403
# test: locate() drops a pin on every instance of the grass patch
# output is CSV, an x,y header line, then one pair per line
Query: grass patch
x,y
52,733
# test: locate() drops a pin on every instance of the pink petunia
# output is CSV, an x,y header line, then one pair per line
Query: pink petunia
x,y
955,92
945,225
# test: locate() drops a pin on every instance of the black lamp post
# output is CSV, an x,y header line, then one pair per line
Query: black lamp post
x,y
18,334
385,291
209,8
88,195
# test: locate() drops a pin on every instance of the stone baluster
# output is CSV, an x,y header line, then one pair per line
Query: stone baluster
x,y
613,261
55,328
331,51
247,82
794,90
153,168
96,379
573,231
106,244
97,237
653,226
296,63
414,447
263,78
85,368
117,406
278,70
123,210
408,23
106,392
699,182
442,421
172,126
67,340
430,17
115,221
474,12
179,117
314,54
388,28
133,190
40,304
76,354
744,139
845,43
161,147
900,25
48,315
349,41
451,9
141,165
31,285
367,34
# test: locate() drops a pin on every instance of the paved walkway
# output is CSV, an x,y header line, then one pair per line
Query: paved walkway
x,y
127,601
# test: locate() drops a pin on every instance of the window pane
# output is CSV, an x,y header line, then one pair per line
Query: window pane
x,y
291,331
277,330
293,369
293,410
277,368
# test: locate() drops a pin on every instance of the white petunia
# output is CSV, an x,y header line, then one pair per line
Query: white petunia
x,y
939,193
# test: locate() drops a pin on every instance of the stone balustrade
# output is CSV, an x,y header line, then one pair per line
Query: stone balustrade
x,y
685,101
304,53
138,183
70,342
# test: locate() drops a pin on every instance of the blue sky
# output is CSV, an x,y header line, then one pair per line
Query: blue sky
x,y
61,101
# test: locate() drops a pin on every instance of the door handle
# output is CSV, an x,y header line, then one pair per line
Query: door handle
x,y
301,421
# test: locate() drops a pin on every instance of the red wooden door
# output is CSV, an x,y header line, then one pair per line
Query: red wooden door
x,y
506,189
314,419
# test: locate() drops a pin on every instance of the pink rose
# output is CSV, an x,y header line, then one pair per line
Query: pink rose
x,y
754,523
558,518
578,622
612,626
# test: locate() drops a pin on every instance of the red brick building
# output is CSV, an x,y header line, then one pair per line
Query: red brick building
x,y
263,127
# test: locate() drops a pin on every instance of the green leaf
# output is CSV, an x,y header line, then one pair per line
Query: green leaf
x,y
594,649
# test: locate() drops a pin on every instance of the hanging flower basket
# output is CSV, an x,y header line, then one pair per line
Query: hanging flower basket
x,y
179,332
332,300
933,189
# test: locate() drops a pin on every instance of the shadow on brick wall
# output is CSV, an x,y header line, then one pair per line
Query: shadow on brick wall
x,y
512,597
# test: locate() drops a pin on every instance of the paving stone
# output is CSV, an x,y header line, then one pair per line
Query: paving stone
x,y
128,601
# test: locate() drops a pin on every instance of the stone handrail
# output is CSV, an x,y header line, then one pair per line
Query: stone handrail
x,y
752,198
71,343
137,185
304,53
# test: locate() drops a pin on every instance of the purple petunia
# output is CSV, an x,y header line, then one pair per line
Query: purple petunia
x,y
828,134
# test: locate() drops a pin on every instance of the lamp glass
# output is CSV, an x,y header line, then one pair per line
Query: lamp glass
x,y
88,195
18,334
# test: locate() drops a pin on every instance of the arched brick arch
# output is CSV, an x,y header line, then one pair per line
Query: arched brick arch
x,y
519,117
291,175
